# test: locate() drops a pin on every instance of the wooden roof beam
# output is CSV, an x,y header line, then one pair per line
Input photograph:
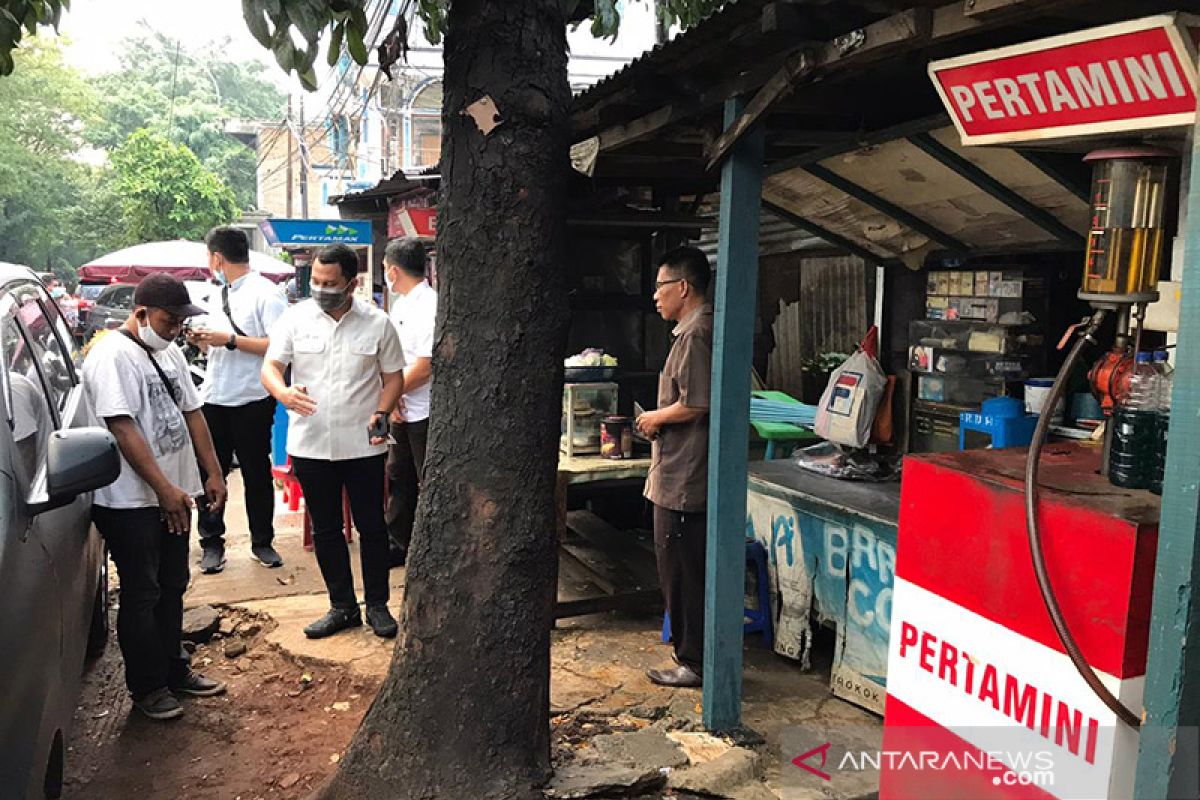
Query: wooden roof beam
x,y
989,185
877,40
834,239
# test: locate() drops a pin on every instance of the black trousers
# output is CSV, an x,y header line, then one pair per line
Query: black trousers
x,y
362,478
246,431
405,471
680,541
152,564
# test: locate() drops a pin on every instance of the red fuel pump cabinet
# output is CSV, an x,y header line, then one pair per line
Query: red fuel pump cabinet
x,y
981,694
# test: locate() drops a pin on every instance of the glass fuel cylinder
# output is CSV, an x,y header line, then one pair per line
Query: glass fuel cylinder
x,y
1126,240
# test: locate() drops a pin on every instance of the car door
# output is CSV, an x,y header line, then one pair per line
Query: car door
x,y
31,612
65,532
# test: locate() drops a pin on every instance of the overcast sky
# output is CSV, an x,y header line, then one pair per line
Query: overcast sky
x,y
95,28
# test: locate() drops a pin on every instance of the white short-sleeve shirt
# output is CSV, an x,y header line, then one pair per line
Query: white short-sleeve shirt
x,y
120,381
415,317
234,377
340,363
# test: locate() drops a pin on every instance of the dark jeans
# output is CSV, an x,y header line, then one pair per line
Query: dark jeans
x,y
362,478
152,564
405,471
245,430
680,541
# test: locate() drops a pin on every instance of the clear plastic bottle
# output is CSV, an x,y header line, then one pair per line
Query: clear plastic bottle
x,y
1166,383
1135,444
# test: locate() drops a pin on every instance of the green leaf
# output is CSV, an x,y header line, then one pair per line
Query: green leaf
x,y
308,79
356,46
284,50
253,14
335,43
358,17
605,19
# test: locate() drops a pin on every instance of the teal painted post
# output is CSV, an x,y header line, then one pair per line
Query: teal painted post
x,y
1167,756
734,302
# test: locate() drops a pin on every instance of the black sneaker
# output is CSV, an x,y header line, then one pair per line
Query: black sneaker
x,y
197,685
266,555
335,619
397,556
382,622
159,704
212,560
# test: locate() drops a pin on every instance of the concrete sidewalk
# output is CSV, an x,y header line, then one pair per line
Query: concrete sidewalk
x,y
612,727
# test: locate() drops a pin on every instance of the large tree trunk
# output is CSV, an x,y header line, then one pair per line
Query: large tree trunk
x,y
463,714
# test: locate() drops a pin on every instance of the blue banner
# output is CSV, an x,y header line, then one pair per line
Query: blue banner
x,y
306,232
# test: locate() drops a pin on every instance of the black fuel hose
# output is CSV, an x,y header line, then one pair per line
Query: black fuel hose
x,y
1035,538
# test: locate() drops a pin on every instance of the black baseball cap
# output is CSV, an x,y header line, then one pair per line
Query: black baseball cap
x,y
168,293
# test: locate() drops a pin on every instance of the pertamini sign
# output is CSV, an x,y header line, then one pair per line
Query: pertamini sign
x,y
1135,75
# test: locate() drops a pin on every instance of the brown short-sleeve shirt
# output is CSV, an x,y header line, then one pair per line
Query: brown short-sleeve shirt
x,y
678,478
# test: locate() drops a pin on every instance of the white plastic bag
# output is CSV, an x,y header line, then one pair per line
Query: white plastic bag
x,y
848,406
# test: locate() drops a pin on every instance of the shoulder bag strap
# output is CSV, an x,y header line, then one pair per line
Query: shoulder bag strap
x,y
154,362
228,313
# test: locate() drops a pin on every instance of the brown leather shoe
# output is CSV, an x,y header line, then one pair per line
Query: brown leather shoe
x,y
679,677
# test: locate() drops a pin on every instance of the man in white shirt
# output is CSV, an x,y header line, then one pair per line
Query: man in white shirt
x,y
238,408
137,381
414,314
346,378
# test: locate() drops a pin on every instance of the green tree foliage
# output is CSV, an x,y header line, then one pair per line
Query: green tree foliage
x,y
186,93
44,107
18,17
165,192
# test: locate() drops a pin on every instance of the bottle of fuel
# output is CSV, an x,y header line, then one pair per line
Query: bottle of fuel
x,y
1166,382
1135,421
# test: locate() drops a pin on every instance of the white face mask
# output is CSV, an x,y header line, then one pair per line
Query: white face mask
x,y
151,339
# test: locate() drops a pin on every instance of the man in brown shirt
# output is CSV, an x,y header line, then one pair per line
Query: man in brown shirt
x,y
677,484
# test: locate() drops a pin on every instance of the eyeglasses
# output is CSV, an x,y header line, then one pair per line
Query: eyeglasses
x,y
659,284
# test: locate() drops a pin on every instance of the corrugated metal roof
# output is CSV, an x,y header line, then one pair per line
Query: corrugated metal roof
x,y
775,236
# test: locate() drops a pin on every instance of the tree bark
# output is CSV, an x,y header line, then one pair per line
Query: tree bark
x,y
464,711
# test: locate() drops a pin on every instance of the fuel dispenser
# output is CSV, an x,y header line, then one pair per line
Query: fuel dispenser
x,y
1022,603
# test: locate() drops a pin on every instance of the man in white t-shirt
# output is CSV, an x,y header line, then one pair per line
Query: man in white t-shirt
x,y
414,313
137,381
346,378
238,409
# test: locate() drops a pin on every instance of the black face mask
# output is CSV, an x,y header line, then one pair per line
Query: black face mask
x,y
330,299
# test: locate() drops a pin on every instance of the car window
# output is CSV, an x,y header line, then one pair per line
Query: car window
x,y
39,327
90,291
29,415
119,297
62,331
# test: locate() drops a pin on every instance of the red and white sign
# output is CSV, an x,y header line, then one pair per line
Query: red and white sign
x,y
421,222
1135,75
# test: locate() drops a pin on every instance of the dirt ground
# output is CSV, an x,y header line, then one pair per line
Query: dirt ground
x,y
278,732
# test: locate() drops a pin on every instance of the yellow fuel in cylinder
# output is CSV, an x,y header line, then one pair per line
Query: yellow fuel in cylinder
x,y
1125,243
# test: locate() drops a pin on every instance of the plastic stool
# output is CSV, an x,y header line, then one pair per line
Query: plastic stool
x,y
1002,417
757,620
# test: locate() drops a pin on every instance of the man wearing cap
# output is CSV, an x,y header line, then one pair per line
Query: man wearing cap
x,y
137,381
347,364
237,408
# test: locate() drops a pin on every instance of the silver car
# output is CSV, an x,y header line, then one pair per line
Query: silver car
x,y
53,592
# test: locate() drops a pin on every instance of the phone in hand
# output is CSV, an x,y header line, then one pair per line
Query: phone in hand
x,y
379,427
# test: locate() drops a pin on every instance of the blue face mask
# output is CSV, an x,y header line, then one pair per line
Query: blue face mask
x,y
58,292
219,278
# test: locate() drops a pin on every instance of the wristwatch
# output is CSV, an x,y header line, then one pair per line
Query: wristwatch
x,y
232,343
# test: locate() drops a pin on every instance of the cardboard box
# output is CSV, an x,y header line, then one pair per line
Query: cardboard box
x,y
982,309
994,279
943,283
981,284
920,358
931,283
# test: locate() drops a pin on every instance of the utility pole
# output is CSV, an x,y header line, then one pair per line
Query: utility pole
x,y
303,163
290,155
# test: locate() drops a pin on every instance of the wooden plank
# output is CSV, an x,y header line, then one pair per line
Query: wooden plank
x,y
620,547
834,239
631,601
855,48
729,427
603,571
1168,741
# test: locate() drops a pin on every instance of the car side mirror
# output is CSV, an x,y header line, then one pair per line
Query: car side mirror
x,y
77,461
